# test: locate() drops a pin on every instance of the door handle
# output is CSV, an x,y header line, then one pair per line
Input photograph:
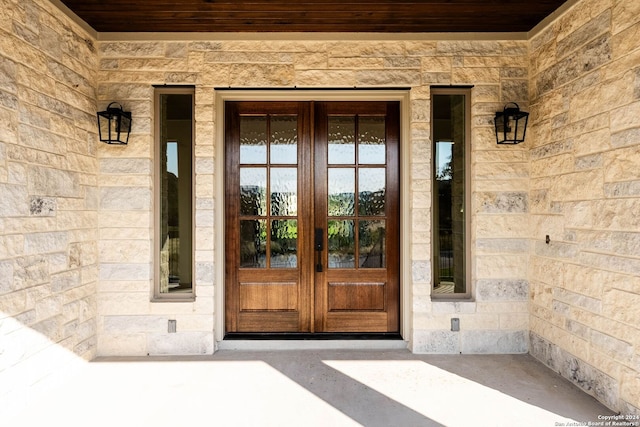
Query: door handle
x,y
319,247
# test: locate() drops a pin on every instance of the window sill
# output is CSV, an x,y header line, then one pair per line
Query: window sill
x,y
190,299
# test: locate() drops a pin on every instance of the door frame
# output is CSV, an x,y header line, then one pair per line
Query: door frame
x,y
383,94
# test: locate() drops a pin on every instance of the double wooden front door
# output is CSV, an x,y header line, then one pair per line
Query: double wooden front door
x,y
312,217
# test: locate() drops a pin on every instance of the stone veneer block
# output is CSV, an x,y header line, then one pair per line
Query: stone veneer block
x,y
492,342
188,343
436,342
591,380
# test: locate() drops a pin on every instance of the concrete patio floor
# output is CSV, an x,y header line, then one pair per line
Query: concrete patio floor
x,y
314,388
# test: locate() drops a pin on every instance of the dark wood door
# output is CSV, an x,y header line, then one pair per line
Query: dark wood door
x,y
312,217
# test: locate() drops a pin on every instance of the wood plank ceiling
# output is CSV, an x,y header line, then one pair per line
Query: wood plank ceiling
x,y
374,16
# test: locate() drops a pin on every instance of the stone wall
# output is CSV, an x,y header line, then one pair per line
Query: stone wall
x,y
48,198
497,321
585,194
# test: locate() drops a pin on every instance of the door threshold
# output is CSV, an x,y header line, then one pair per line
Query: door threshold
x,y
312,342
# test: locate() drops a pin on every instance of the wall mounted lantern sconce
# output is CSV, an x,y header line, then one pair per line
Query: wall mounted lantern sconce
x,y
114,125
511,124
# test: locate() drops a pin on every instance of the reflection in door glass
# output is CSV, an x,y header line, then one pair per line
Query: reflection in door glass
x,y
342,188
372,245
284,243
371,140
371,191
253,189
284,139
342,149
341,244
253,140
253,243
284,191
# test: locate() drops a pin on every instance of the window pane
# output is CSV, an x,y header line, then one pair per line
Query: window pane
x,y
371,145
284,139
284,191
253,140
449,194
342,188
371,191
341,242
284,243
253,191
175,194
253,243
342,149
372,244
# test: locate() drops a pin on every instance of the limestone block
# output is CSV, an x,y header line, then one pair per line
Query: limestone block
x,y
501,266
14,200
592,304
42,206
485,245
129,166
38,243
477,321
205,272
501,290
493,342
454,307
53,182
126,219
124,271
501,226
502,202
124,251
134,324
430,321
435,342
125,198
205,238
180,343
613,347
498,171
582,185
626,137
624,14
556,249
622,189
126,303
6,277
421,271
131,49
586,280
120,344
616,305
393,77
202,45
617,214
472,48
514,321
622,164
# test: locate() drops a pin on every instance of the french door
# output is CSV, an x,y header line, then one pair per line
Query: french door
x,y
312,217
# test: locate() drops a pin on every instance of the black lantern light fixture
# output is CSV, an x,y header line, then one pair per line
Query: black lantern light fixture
x,y
511,124
114,125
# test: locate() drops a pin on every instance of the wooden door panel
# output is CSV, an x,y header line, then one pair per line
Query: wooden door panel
x,y
362,296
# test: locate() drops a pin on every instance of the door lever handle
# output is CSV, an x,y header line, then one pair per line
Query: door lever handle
x,y
319,246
